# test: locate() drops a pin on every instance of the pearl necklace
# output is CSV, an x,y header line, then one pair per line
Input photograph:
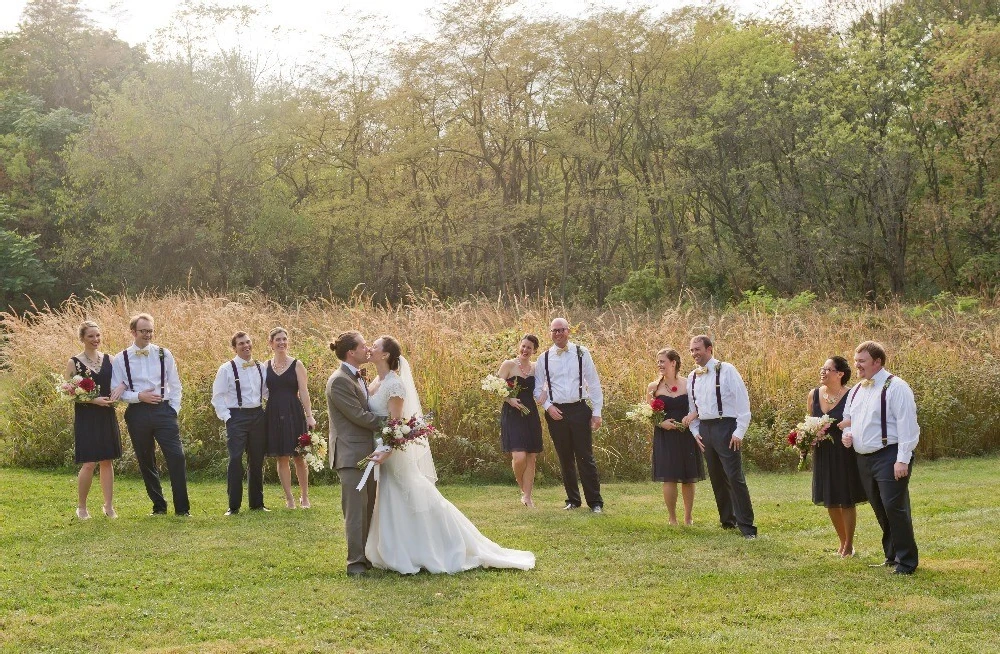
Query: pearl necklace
x,y
524,373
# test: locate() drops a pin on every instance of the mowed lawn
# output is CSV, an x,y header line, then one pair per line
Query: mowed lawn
x,y
624,581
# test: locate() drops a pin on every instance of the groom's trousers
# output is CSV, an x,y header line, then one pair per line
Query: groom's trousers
x,y
725,469
358,507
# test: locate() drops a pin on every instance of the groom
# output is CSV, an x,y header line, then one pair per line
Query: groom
x,y
352,438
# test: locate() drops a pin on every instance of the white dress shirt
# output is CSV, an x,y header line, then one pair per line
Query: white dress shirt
x,y
564,373
358,380
253,391
735,399
864,409
146,375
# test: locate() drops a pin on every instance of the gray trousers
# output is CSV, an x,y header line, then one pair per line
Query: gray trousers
x,y
358,507
725,469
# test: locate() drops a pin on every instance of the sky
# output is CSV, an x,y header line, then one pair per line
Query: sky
x,y
303,23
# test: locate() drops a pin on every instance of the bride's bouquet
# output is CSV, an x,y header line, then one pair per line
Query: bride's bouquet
x,y
502,388
77,389
312,448
398,433
807,434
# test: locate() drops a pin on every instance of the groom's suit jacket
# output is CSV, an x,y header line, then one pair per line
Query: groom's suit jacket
x,y
352,424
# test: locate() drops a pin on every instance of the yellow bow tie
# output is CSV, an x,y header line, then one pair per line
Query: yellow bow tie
x,y
700,370
866,383
142,353
249,364
562,350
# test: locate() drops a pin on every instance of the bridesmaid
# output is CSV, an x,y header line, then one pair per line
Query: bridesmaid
x,y
676,456
289,414
836,482
96,436
520,432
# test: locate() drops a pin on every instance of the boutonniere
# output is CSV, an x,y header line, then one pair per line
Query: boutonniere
x,y
700,370
865,383
887,382
718,366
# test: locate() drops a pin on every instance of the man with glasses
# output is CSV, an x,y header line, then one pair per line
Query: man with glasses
x,y
153,392
569,379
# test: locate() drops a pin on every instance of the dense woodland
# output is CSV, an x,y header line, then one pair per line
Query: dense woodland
x,y
620,156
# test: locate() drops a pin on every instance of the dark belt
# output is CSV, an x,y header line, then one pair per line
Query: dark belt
x,y
245,410
569,403
879,450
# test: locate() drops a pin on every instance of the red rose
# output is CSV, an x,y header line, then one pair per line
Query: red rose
x,y
792,437
511,383
87,384
657,404
305,440
673,389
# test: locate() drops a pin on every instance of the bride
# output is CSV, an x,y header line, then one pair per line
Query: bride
x,y
414,527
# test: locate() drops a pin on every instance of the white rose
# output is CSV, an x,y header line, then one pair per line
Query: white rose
x,y
386,431
405,429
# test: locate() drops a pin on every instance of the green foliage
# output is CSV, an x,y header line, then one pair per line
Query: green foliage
x,y
762,300
643,287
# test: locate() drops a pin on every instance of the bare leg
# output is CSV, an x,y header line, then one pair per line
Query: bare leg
x,y
687,491
285,476
518,462
108,487
850,522
837,518
84,481
302,474
670,499
528,478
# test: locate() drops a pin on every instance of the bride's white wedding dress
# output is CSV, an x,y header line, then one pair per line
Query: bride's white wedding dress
x,y
414,527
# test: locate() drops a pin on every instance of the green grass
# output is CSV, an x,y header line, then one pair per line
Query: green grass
x,y
624,581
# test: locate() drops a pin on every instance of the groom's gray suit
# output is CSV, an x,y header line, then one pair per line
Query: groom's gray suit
x,y
352,438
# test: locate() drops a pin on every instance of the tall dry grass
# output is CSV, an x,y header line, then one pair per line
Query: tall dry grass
x,y
948,357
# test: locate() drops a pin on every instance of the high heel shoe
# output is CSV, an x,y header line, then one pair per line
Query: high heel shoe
x,y
82,515
111,513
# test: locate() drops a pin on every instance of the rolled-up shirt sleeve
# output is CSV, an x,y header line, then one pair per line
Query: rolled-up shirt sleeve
x,y
593,382
741,398
903,406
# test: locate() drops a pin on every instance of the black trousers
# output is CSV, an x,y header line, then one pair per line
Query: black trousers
x,y
246,431
890,499
574,443
149,424
725,469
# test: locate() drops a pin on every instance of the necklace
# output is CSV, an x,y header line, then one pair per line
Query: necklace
x,y
832,400
90,363
520,366
280,368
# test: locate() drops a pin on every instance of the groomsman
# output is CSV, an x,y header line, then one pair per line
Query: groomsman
x,y
153,393
570,379
238,396
880,421
719,399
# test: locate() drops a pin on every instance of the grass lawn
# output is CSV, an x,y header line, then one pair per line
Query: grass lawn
x,y
624,581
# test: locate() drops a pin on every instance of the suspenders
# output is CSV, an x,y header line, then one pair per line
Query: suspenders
x,y
163,375
579,362
236,376
718,389
885,389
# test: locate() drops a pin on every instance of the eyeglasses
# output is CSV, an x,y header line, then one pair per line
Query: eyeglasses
x,y
559,330
144,332
822,370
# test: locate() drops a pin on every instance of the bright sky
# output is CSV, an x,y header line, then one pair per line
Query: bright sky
x,y
303,23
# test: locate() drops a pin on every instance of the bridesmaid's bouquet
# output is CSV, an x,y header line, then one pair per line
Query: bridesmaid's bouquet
x,y
77,389
312,447
807,434
647,412
503,388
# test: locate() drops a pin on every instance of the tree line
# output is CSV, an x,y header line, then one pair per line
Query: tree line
x,y
621,156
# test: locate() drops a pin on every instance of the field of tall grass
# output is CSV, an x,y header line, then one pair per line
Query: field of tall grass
x,y
946,351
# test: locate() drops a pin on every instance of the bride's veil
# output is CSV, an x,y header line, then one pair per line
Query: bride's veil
x,y
418,450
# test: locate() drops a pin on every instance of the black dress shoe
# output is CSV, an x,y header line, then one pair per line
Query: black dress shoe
x,y
750,536
357,574
900,570
185,514
231,512
728,526
596,509
261,508
884,564
158,512
570,505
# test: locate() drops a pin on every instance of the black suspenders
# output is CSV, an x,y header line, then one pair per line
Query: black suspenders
x,y
163,372
236,376
579,362
718,389
885,390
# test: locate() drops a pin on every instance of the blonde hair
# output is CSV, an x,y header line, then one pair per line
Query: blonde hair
x,y
275,332
136,318
85,325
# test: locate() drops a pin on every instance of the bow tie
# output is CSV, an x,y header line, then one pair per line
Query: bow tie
x,y
700,370
249,364
142,353
562,350
865,383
